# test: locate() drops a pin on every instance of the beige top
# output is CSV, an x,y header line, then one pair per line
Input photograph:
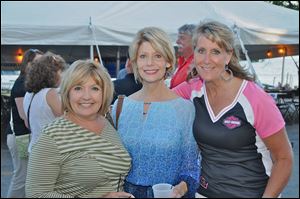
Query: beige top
x,y
70,161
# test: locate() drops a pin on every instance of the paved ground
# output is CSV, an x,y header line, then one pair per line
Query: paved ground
x,y
291,191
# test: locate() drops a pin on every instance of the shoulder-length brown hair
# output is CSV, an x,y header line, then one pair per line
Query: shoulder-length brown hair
x,y
28,57
43,72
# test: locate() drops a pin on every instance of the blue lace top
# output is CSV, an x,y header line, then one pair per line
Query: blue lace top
x,y
160,143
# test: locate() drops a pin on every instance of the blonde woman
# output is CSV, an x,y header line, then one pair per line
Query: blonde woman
x,y
239,129
155,124
80,154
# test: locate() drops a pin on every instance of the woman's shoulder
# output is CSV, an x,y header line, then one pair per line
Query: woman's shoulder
x,y
58,125
184,106
186,89
51,91
27,96
184,102
179,107
130,103
42,94
254,92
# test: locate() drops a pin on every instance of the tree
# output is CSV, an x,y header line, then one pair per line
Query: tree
x,y
288,4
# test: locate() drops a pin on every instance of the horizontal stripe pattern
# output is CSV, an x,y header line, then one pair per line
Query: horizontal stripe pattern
x,y
70,161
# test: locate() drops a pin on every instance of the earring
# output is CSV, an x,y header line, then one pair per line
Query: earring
x,y
227,70
167,73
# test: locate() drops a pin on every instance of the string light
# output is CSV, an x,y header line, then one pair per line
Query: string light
x,y
281,50
96,59
19,56
269,54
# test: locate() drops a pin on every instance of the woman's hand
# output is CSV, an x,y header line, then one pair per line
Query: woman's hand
x,y
118,195
179,190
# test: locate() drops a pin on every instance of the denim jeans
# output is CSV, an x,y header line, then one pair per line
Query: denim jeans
x,y
138,191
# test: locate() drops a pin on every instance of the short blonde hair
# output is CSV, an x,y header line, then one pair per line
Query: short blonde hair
x,y
78,73
160,41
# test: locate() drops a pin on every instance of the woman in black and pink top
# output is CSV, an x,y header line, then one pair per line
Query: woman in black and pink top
x,y
238,128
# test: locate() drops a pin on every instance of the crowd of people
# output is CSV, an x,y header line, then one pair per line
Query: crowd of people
x,y
209,134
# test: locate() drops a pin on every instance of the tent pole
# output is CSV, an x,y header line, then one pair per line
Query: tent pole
x,y
118,61
282,68
91,52
92,28
296,66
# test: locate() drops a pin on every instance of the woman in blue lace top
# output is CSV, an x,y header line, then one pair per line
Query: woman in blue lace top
x,y
155,124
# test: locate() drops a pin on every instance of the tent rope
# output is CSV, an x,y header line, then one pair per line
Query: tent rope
x,y
295,62
236,31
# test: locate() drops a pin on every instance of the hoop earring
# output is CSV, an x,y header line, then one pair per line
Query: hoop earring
x,y
227,70
167,74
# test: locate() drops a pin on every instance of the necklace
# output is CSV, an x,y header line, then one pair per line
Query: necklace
x,y
146,107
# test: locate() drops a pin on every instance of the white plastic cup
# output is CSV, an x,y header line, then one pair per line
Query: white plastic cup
x,y
162,190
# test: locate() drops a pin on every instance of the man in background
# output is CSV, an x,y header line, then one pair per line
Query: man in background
x,y
186,54
128,84
122,73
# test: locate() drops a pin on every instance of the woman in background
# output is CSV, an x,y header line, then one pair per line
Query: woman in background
x,y
42,81
18,127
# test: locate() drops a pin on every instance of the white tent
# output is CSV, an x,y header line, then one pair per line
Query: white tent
x,y
115,23
259,25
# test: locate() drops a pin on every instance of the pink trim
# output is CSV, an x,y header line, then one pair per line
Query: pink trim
x,y
267,117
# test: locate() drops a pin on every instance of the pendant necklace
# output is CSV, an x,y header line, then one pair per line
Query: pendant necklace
x,y
146,108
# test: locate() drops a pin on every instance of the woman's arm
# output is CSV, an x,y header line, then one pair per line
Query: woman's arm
x,y
282,157
190,168
54,101
19,103
43,169
118,195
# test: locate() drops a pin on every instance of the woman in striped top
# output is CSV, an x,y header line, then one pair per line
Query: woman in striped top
x,y
80,154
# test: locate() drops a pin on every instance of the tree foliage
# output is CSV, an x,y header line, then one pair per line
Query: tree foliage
x,y
288,4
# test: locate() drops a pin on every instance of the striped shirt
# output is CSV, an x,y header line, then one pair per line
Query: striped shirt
x,y
70,161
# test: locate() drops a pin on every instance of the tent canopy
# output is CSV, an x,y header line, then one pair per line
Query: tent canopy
x,y
115,23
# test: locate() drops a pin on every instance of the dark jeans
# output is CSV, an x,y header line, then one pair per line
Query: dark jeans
x,y
138,191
